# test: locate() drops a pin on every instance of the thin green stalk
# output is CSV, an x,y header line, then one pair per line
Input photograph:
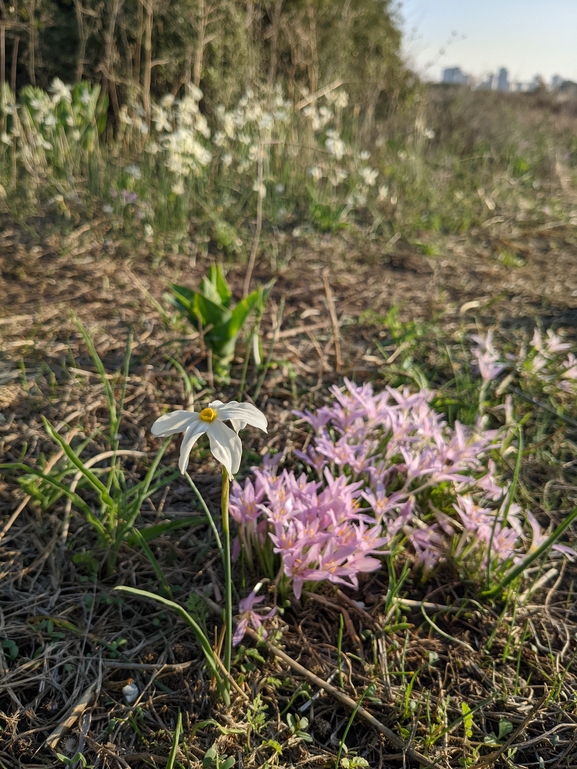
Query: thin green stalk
x,y
227,570
209,516
174,749
90,477
368,691
153,562
222,683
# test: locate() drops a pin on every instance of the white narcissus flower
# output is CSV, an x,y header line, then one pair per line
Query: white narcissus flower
x,y
225,444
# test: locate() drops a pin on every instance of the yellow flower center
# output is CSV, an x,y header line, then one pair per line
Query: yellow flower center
x,y
208,415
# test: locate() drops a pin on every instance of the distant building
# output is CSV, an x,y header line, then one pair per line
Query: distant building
x,y
455,76
503,80
556,82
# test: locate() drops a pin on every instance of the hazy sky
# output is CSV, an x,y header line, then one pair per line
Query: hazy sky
x,y
529,37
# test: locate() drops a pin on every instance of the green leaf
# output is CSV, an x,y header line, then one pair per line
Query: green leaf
x,y
196,629
152,532
217,278
209,758
242,311
209,289
173,750
88,474
467,720
505,728
210,312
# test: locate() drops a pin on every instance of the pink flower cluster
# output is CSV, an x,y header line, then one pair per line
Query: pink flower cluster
x,y
546,359
389,470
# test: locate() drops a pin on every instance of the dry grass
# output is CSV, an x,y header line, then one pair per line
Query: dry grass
x,y
70,642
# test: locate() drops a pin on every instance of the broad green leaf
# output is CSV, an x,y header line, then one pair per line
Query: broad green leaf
x,y
219,281
182,292
209,289
241,313
211,313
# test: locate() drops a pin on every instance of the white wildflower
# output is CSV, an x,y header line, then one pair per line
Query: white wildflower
x,y
225,444
369,176
60,91
316,172
383,193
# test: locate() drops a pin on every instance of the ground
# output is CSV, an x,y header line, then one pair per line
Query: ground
x,y
70,641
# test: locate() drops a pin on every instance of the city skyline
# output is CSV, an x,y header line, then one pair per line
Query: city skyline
x,y
497,81
531,37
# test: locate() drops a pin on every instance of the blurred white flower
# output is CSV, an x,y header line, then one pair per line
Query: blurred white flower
x,y
341,100
225,444
167,101
260,189
383,193
429,133
60,91
161,119
148,232
226,160
316,173
364,155
335,145
369,176
178,187
201,126
194,92
6,139
337,176
133,170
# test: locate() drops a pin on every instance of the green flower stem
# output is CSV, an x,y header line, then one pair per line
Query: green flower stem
x,y
227,570
526,562
209,516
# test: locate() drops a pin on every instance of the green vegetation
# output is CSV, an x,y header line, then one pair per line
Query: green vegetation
x,y
258,202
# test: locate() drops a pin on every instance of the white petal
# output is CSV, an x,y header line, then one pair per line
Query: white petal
x,y
225,445
192,434
175,422
237,425
243,412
